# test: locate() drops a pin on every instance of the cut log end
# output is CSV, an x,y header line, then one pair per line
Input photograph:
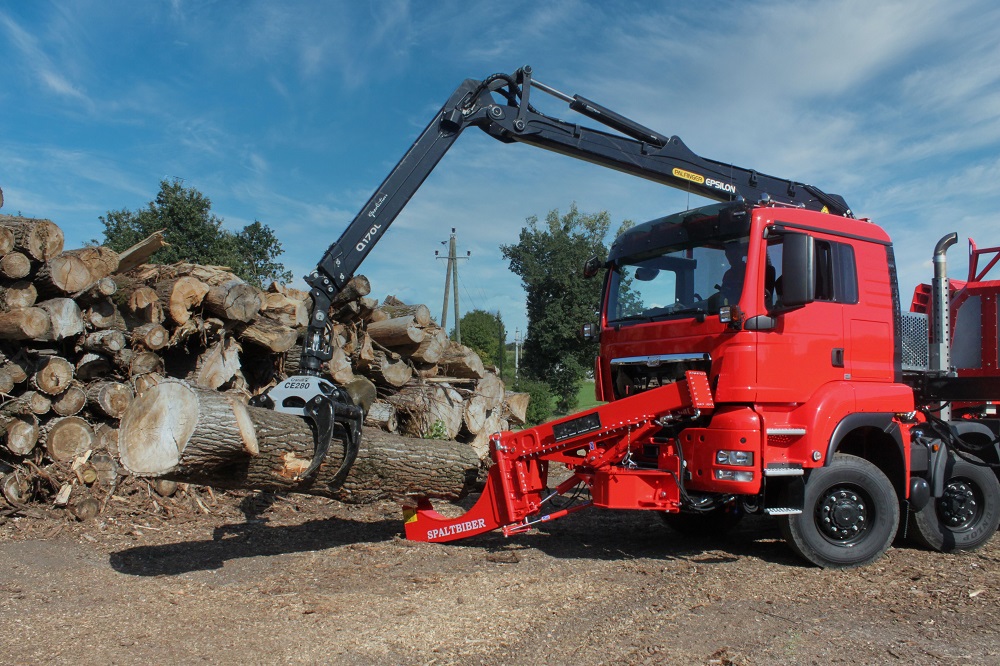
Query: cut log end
x,y
159,421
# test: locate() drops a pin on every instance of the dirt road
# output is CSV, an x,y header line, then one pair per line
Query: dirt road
x,y
302,580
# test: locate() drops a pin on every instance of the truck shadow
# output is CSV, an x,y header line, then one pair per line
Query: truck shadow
x,y
591,535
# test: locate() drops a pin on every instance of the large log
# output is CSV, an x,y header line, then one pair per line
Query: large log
x,y
20,432
65,318
53,375
285,310
387,369
64,274
100,261
17,294
181,295
426,410
357,287
420,313
70,401
399,331
460,361
429,351
39,239
143,306
269,334
179,432
15,265
67,437
233,300
517,406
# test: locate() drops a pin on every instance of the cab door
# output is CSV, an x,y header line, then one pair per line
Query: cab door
x,y
805,348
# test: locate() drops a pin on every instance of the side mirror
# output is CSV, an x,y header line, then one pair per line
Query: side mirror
x,y
590,332
798,270
592,267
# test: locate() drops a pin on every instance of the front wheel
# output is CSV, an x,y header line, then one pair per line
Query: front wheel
x,y
849,517
967,513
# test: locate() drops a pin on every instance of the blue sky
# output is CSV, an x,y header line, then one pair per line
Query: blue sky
x,y
292,113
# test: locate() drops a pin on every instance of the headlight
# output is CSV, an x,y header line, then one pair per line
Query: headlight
x,y
739,458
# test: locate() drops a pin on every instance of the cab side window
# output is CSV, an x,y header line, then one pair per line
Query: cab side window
x,y
836,271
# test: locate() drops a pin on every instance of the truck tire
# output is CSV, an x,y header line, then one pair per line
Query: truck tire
x,y
849,516
966,516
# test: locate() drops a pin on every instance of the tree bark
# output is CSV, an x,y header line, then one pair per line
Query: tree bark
x,y
179,432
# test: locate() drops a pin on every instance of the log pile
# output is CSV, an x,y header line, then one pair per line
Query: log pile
x,y
88,336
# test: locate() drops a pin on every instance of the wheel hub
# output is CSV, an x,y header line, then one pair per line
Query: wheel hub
x,y
843,515
958,505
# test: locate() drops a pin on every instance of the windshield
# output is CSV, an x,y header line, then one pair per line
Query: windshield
x,y
677,282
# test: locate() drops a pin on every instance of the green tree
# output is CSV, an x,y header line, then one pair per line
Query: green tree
x,y
196,235
548,258
484,332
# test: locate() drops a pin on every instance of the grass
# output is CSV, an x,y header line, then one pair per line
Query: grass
x,y
584,400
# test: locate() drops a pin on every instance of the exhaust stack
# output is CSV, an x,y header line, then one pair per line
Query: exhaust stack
x,y
940,351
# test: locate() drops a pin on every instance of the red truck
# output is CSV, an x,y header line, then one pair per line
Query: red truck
x,y
754,358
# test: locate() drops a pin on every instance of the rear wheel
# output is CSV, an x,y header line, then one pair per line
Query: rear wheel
x,y
967,513
849,516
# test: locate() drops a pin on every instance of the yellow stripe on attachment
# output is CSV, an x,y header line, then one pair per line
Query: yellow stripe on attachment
x,y
409,515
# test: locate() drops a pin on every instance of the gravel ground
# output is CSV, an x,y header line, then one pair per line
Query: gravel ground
x,y
256,579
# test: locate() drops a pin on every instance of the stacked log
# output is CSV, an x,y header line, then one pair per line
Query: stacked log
x,y
83,332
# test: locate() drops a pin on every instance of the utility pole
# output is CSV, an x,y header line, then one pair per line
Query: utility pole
x,y
517,351
451,280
